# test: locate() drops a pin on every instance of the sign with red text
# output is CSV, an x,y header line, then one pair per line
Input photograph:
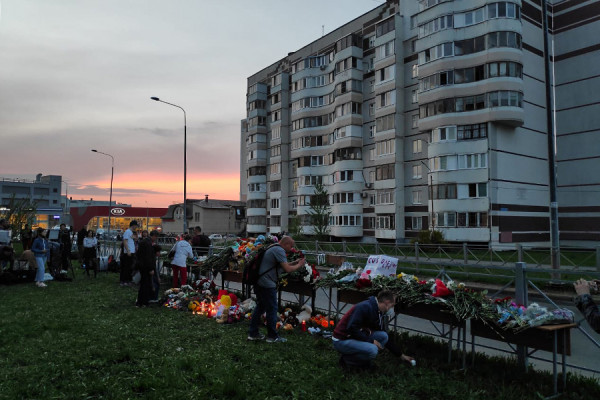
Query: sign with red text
x,y
381,265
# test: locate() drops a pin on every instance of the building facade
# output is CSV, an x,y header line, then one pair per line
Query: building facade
x,y
44,191
212,216
428,114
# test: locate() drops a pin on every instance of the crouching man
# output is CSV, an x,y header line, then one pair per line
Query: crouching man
x,y
361,333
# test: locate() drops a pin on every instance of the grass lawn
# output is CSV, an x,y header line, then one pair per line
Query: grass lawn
x,y
86,340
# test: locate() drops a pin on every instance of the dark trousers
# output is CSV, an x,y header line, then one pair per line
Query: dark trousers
x,y
266,301
145,292
126,265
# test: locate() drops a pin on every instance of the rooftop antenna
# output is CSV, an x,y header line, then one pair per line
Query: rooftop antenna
x,y
322,30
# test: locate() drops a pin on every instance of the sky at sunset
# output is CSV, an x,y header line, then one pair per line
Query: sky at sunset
x,y
77,75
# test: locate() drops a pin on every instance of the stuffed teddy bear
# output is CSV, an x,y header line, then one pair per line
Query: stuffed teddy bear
x,y
305,314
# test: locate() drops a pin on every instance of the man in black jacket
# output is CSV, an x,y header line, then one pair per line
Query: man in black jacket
x,y
146,264
586,304
361,334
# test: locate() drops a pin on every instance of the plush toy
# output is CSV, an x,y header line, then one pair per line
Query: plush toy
x,y
248,305
305,314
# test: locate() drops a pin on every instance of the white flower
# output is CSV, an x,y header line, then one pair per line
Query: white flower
x,y
309,273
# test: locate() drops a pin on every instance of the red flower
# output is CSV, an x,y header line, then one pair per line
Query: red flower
x,y
363,283
440,289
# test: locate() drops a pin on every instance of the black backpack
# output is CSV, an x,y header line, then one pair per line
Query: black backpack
x,y
251,275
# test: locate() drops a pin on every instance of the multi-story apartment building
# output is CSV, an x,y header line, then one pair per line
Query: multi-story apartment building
x,y
428,114
44,191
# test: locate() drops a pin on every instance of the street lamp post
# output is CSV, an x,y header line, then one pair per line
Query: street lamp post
x,y
184,161
430,196
112,171
66,196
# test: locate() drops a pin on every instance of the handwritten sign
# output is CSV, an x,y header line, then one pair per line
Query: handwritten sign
x,y
381,265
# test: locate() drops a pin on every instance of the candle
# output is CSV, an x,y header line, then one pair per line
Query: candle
x,y
303,326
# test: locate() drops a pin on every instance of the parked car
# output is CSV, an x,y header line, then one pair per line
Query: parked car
x,y
216,236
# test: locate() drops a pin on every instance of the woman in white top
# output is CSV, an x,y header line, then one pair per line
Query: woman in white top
x,y
183,250
89,252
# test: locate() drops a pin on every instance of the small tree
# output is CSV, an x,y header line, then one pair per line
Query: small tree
x,y
430,237
19,212
320,211
295,227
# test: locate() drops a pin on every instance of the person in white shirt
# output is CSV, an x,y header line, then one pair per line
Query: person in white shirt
x,y
89,252
183,250
128,254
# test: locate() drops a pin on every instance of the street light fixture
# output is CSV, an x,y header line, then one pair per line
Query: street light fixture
x,y
112,171
185,228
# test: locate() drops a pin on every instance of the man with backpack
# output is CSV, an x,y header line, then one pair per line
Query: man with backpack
x,y
273,263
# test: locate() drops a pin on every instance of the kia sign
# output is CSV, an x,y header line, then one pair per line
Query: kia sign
x,y
117,211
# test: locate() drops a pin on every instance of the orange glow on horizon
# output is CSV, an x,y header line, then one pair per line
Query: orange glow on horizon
x,y
169,188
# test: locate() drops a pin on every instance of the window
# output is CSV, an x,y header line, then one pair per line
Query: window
x,y
275,186
445,219
385,147
415,71
275,151
416,223
383,172
385,74
274,203
472,219
385,196
345,220
417,146
372,130
385,222
385,123
276,133
371,109
444,191
384,27
316,160
275,168
416,197
387,99
472,161
444,133
343,198
415,121
385,50
417,171
311,180
343,176
415,96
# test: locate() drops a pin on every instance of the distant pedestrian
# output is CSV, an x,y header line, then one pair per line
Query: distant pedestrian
x,y
40,250
64,238
146,264
82,234
128,254
200,242
26,236
90,244
183,251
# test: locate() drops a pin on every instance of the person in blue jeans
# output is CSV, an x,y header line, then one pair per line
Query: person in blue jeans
x,y
273,263
361,334
40,250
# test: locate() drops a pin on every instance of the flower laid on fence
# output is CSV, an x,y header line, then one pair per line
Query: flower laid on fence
x,y
452,297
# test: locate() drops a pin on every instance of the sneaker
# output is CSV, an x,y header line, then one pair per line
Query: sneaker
x,y
41,284
258,337
278,339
